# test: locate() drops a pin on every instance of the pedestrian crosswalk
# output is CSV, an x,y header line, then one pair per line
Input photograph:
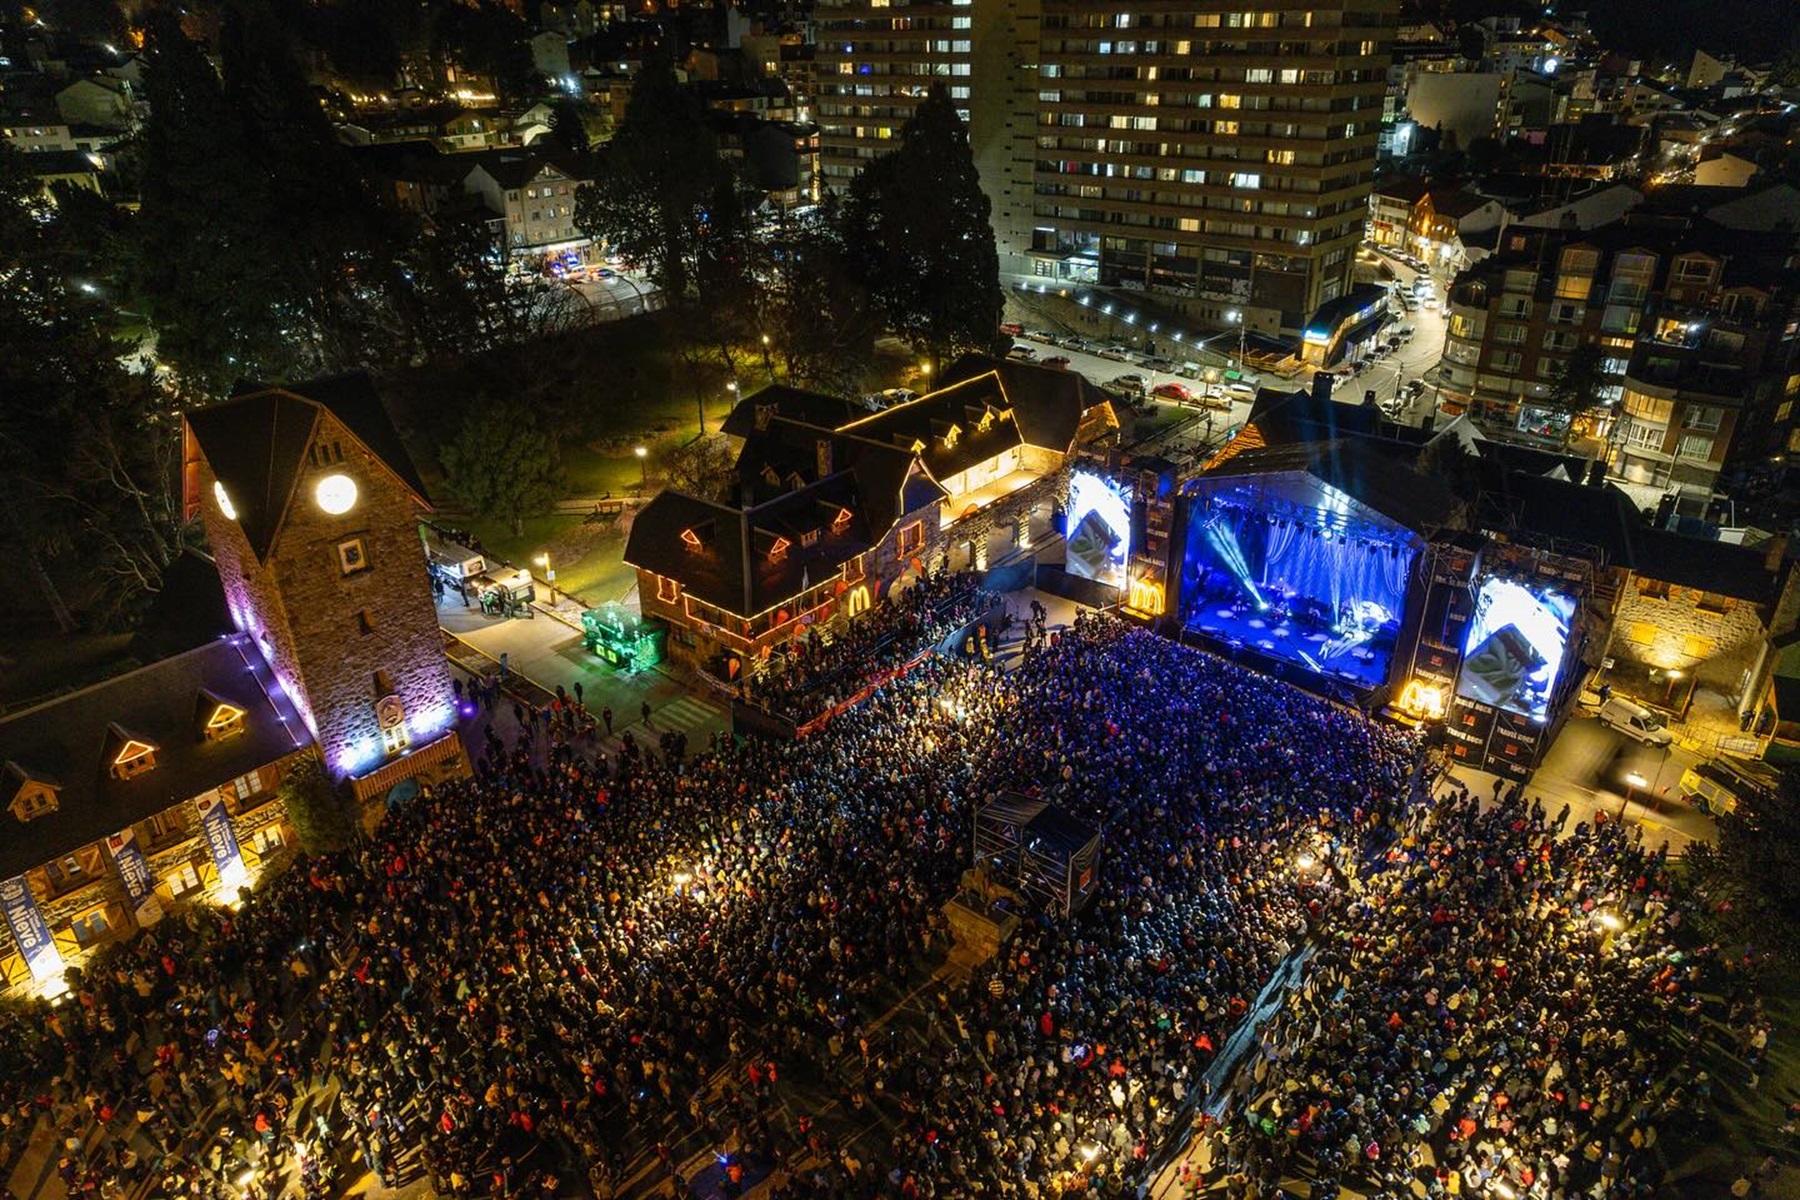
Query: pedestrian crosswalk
x,y
689,715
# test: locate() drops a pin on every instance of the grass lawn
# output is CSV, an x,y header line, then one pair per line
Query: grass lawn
x,y
589,559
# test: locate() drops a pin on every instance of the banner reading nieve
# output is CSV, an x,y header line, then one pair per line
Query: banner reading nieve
x,y
135,873
29,932
221,841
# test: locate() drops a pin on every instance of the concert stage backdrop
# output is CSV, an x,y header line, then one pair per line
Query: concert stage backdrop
x,y
1325,589
1099,540
1515,646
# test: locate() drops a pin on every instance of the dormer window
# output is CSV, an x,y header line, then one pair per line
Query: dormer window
x,y
778,550
950,436
810,538
132,758
37,796
691,538
226,719
842,519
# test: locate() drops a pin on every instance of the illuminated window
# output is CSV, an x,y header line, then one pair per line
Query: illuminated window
x,y
810,537
182,880
667,590
267,840
842,519
779,550
90,927
390,715
245,786
911,540
691,538
853,570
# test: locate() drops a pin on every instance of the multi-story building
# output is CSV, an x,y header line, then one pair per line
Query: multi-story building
x,y
1219,157
535,197
1691,322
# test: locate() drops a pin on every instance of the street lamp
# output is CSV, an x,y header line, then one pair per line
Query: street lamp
x,y
543,560
768,368
1633,780
643,457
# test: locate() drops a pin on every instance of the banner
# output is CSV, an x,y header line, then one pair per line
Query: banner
x,y
135,873
221,840
29,932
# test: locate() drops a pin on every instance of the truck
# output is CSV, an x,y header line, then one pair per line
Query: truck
x,y
1716,786
449,560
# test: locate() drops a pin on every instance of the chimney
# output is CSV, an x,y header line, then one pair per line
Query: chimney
x,y
1321,386
822,447
1774,551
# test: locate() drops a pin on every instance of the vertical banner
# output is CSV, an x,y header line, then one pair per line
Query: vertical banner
x,y
29,932
134,872
221,840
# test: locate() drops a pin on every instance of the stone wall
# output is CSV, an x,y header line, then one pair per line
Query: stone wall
x,y
331,635
1716,643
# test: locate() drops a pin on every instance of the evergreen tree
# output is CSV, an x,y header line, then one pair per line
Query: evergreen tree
x,y
568,132
503,464
820,318
657,183
919,235
319,810
1577,390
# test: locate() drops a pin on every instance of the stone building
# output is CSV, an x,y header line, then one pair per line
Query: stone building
x,y
311,507
831,508
310,631
119,798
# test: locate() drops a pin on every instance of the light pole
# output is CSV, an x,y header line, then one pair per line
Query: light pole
x,y
543,560
1633,780
768,367
643,457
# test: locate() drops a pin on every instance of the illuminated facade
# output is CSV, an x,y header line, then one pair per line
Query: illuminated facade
x,y
310,506
130,798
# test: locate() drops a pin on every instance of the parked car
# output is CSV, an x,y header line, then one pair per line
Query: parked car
x,y
1012,329
1172,391
1060,361
1040,335
1022,353
1132,382
1072,342
1114,354
1405,332
1635,722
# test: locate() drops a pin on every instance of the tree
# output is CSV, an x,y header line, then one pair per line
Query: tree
x,y
464,301
88,448
1751,876
701,467
316,806
568,132
1577,390
819,317
656,185
502,464
919,236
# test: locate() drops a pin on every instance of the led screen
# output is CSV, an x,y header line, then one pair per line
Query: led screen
x,y
1515,646
1099,538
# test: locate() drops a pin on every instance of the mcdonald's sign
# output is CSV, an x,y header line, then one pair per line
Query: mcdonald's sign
x,y
1145,597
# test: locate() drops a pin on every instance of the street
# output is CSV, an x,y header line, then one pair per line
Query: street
x,y
1415,359
1591,767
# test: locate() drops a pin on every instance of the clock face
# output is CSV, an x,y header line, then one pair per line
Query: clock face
x,y
336,494
224,501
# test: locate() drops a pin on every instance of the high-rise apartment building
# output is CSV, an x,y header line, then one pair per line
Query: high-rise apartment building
x,y
1217,153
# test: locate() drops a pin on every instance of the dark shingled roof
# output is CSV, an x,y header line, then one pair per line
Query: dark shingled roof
x,y
256,443
1604,517
71,741
929,418
187,611
1709,565
796,404
1047,402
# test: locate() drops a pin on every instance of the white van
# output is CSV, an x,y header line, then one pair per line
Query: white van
x,y
1635,722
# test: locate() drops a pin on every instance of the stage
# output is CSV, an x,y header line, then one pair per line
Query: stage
x,y
1296,560
1360,665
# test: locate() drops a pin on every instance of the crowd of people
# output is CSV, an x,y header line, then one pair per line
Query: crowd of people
x,y
588,966
823,669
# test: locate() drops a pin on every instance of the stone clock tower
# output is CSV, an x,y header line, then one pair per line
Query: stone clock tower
x,y
311,507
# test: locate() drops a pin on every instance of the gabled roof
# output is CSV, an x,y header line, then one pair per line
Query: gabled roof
x,y
945,425
70,743
256,443
1047,403
1604,517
